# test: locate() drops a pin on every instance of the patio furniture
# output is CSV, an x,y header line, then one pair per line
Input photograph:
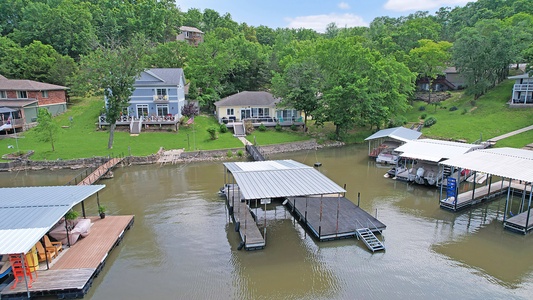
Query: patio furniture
x,y
49,244
43,254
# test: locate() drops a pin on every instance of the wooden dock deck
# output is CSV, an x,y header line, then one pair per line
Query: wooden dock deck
x,y
335,218
73,271
518,222
481,194
100,171
248,230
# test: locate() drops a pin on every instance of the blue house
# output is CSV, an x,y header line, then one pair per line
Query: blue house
x,y
158,98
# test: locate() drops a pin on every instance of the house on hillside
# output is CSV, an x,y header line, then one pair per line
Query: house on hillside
x,y
157,99
24,97
192,35
450,80
522,90
258,107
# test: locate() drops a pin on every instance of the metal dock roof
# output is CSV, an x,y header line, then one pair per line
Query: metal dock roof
x,y
280,178
27,213
398,133
504,162
435,150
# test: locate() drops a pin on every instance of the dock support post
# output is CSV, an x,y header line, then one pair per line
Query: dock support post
x,y
338,204
528,208
507,201
358,198
441,182
320,219
490,184
474,183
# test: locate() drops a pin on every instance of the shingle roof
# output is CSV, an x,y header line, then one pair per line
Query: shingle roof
x,y
16,102
190,29
27,85
159,77
249,98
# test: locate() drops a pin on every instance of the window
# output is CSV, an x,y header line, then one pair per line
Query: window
x,y
229,112
161,92
44,94
162,109
3,95
22,95
142,110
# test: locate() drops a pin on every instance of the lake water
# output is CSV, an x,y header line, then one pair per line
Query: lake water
x,y
182,245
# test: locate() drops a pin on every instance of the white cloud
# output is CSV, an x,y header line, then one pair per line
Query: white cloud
x,y
344,5
319,22
406,5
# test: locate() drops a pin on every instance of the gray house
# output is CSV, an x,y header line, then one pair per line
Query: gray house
x,y
522,90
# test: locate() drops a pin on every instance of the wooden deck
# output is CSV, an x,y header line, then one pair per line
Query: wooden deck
x,y
100,171
333,217
248,230
518,222
481,194
72,272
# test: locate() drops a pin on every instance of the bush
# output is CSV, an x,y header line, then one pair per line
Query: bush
x,y
229,154
278,127
421,108
262,127
240,153
212,132
397,122
464,111
423,116
453,108
294,127
430,121
473,102
223,128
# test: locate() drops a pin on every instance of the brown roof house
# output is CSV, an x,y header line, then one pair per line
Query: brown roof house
x,y
26,96
192,35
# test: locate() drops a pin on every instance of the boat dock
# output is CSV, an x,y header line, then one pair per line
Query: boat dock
x,y
332,218
92,175
245,223
71,274
475,196
521,222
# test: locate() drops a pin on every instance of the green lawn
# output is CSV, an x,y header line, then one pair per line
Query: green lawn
x,y
487,117
271,136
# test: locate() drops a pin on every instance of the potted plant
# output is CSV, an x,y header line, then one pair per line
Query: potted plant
x,y
101,211
70,216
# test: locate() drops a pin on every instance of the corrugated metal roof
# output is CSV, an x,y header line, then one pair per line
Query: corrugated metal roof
x,y
504,162
280,178
434,150
27,213
398,133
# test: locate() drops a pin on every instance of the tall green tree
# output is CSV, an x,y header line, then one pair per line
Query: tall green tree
x,y
47,130
114,70
430,60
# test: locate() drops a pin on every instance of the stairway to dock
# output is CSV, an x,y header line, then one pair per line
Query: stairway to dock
x,y
239,129
370,240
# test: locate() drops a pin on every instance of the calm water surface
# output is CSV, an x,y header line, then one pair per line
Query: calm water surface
x,y
182,245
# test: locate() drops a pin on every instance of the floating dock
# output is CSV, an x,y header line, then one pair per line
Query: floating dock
x,y
331,218
71,274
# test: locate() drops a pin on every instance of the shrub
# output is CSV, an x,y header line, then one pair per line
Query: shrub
x,y
464,111
229,154
398,121
240,153
453,108
430,121
262,128
248,126
423,116
223,128
294,127
212,132
473,102
421,108
278,127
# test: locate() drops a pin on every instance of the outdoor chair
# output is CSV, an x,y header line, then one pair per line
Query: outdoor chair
x,y
43,254
49,244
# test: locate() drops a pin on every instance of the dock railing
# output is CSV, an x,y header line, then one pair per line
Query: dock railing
x,y
83,174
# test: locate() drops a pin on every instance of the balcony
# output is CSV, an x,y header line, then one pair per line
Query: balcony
x,y
161,98
523,87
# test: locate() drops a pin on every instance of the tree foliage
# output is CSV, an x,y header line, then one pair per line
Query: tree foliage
x,y
46,129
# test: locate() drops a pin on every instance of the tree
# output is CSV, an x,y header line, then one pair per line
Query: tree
x,y
46,128
429,60
299,87
189,110
113,70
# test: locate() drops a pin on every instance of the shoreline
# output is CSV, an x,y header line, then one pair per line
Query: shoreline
x,y
184,157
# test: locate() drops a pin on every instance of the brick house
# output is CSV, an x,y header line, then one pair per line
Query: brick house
x,y
26,96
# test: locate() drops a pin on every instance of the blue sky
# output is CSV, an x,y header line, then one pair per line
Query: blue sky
x,y
315,14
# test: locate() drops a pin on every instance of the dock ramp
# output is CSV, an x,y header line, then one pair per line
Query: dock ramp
x,y
255,153
370,239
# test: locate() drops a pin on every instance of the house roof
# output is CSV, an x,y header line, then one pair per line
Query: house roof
x,y
522,76
160,77
27,213
449,70
190,29
280,178
27,85
6,110
249,98
398,133
17,102
504,162
434,150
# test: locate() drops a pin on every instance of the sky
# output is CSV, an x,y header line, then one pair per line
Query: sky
x,y
315,14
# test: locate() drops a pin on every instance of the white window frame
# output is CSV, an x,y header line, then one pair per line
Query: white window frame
x,y
141,108
230,111
3,95
44,94
22,95
162,106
